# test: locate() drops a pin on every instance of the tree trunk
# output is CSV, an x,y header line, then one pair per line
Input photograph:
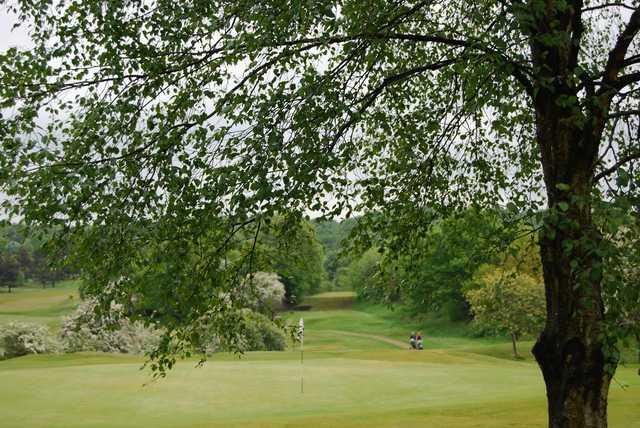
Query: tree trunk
x,y
570,351
514,337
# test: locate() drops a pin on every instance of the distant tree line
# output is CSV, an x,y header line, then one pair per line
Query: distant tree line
x,y
24,258
331,235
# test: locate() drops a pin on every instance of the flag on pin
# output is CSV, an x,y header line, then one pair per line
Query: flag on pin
x,y
301,331
301,339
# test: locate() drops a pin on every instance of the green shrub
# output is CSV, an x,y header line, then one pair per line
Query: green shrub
x,y
260,334
254,332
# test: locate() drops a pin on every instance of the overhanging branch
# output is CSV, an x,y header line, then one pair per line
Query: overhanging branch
x,y
370,98
617,165
624,113
616,60
608,5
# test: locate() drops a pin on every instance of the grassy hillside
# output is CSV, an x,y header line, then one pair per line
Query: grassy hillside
x,y
357,372
38,305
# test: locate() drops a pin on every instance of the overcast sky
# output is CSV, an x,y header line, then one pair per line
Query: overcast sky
x,y
10,38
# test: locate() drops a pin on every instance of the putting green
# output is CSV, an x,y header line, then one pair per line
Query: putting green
x,y
356,374
343,389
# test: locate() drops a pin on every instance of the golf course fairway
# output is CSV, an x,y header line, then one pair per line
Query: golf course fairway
x,y
354,375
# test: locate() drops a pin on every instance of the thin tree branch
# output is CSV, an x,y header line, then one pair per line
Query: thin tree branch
x,y
607,5
617,56
617,165
370,98
624,113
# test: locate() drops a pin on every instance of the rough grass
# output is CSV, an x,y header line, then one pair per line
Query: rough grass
x,y
356,374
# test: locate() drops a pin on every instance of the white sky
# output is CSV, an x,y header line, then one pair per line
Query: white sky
x,y
10,38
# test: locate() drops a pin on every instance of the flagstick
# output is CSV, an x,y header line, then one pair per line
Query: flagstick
x,y
301,335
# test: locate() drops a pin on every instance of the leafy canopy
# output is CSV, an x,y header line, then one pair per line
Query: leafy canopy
x,y
146,128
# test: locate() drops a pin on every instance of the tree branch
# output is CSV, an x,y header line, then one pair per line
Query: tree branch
x,y
370,98
626,80
607,5
576,36
624,113
617,56
614,167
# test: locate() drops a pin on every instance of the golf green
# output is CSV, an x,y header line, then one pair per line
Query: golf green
x,y
357,372
344,389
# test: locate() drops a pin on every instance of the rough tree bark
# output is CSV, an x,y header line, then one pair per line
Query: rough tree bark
x,y
570,351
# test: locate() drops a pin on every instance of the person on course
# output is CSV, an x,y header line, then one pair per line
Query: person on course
x,y
412,340
419,344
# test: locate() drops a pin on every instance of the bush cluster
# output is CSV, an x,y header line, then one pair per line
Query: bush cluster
x,y
253,331
260,334
84,330
20,339
88,330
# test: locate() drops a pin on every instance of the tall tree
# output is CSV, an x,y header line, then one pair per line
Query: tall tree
x,y
9,270
293,252
332,235
152,121
364,275
508,302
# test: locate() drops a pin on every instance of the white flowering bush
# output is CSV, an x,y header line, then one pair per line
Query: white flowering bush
x,y
271,290
263,291
84,330
20,339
